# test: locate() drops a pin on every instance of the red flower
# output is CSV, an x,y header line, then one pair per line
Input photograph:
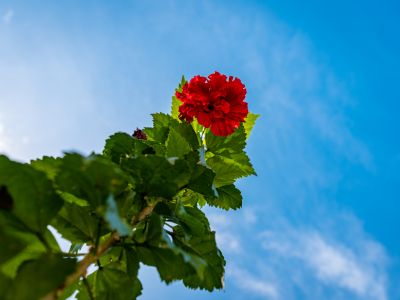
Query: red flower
x,y
217,102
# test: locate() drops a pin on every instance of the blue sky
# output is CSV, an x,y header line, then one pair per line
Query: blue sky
x,y
319,222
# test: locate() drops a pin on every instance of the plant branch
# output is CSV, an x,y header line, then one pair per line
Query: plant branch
x,y
94,256
143,214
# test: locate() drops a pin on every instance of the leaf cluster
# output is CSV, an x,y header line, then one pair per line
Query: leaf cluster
x,y
138,202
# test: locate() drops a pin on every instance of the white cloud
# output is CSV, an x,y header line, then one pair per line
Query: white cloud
x,y
358,267
249,216
253,284
8,16
222,223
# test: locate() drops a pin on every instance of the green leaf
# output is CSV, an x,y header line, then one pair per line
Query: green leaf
x,y
190,198
114,219
119,145
156,176
108,283
171,265
175,107
192,256
177,146
229,197
33,199
160,129
249,123
149,231
193,219
37,278
194,239
11,245
206,248
77,223
132,263
5,283
91,179
202,180
201,245
187,132
163,124
175,101
229,167
33,248
48,165
226,157
234,143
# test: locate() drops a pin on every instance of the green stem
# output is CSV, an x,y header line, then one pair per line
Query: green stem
x,y
89,290
203,138
96,245
44,241
72,254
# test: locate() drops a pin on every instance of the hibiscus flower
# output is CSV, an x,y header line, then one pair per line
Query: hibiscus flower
x,y
216,101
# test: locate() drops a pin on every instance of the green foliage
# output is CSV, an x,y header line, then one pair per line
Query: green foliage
x,y
110,282
175,102
139,202
37,278
229,197
250,122
31,196
226,157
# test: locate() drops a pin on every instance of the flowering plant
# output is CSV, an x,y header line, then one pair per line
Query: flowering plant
x,y
140,201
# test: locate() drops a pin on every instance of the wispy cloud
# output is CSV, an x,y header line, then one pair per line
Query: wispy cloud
x,y
249,282
358,267
8,16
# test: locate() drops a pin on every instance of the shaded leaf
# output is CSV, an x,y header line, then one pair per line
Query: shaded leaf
x,y
119,145
37,278
91,179
177,146
156,176
108,283
206,248
11,245
35,202
33,248
5,283
78,224
201,180
229,197
149,231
